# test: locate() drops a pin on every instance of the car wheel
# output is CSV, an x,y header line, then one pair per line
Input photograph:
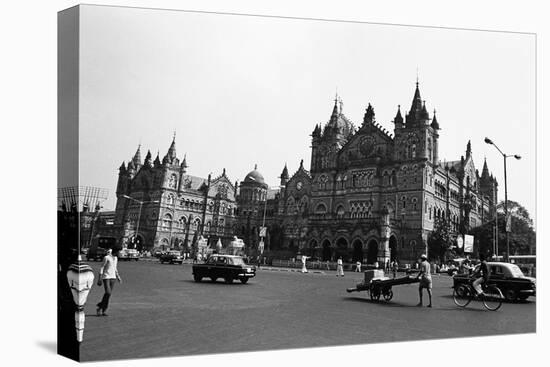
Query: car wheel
x,y
229,279
511,295
197,278
244,280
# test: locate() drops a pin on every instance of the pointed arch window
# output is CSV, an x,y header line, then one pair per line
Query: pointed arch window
x,y
166,220
340,211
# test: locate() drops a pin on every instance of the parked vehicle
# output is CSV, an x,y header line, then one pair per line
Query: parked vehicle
x,y
96,253
171,257
128,254
508,278
228,267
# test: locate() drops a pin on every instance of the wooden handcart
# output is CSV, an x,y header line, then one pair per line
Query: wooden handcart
x,y
378,286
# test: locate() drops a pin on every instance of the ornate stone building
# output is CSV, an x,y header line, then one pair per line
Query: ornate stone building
x,y
371,196
160,205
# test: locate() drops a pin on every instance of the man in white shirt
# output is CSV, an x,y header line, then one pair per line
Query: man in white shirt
x,y
108,273
425,279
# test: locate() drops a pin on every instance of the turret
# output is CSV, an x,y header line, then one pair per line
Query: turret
x,y
156,162
284,176
137,158
468,149
148,160
398,120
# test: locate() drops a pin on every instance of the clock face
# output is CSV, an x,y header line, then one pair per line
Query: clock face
x,y
299,185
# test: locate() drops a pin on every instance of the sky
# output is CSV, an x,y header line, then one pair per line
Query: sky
x,y
242,90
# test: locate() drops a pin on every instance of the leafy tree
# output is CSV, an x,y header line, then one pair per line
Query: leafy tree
x,y
522,235
517,211
439,241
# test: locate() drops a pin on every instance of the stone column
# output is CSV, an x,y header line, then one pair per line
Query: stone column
x,y
384,244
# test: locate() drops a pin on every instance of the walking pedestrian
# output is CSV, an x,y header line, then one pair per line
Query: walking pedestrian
x,y
358,266
340,267
425,279
304,259
108,273
328,264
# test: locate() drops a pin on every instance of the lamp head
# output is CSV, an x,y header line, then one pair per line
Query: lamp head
x,y
517,156
488,141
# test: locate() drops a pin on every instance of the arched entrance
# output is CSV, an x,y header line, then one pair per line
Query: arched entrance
x,y
357,251
393,248
342,249
327,252
372,251
164,244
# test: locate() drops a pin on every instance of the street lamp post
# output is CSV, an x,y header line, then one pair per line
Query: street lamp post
x,y
139,213
506,219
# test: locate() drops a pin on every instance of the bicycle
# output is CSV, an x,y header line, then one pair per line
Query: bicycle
x,y
492,297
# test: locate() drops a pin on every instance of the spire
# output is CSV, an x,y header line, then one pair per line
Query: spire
x,y
468,149
156,162
334,115
172,150
435,124
485,170
255,167
148,160
369,115
122,167
424,113
398,117
417,100
137,157
284,174
301,164
316,132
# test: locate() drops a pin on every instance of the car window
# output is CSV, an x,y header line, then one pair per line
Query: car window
x,y
496,270
237,261
515,271
222,260
211,260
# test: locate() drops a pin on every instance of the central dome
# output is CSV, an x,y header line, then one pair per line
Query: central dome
x,y
254,177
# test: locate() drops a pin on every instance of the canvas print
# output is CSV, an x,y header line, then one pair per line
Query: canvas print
x,y
234,183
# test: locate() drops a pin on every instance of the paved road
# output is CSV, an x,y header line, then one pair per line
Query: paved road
x,y
159,311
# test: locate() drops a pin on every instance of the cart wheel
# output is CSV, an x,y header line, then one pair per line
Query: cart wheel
x,y
388,295
375,295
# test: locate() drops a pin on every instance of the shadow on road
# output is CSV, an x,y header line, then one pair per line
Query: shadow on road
x,y
397,304
381,303
217,282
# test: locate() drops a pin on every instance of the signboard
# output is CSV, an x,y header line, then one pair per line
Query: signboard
x,y
263,231
459,242
468,243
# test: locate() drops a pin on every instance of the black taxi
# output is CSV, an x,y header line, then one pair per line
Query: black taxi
x,y
509,278
226,267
